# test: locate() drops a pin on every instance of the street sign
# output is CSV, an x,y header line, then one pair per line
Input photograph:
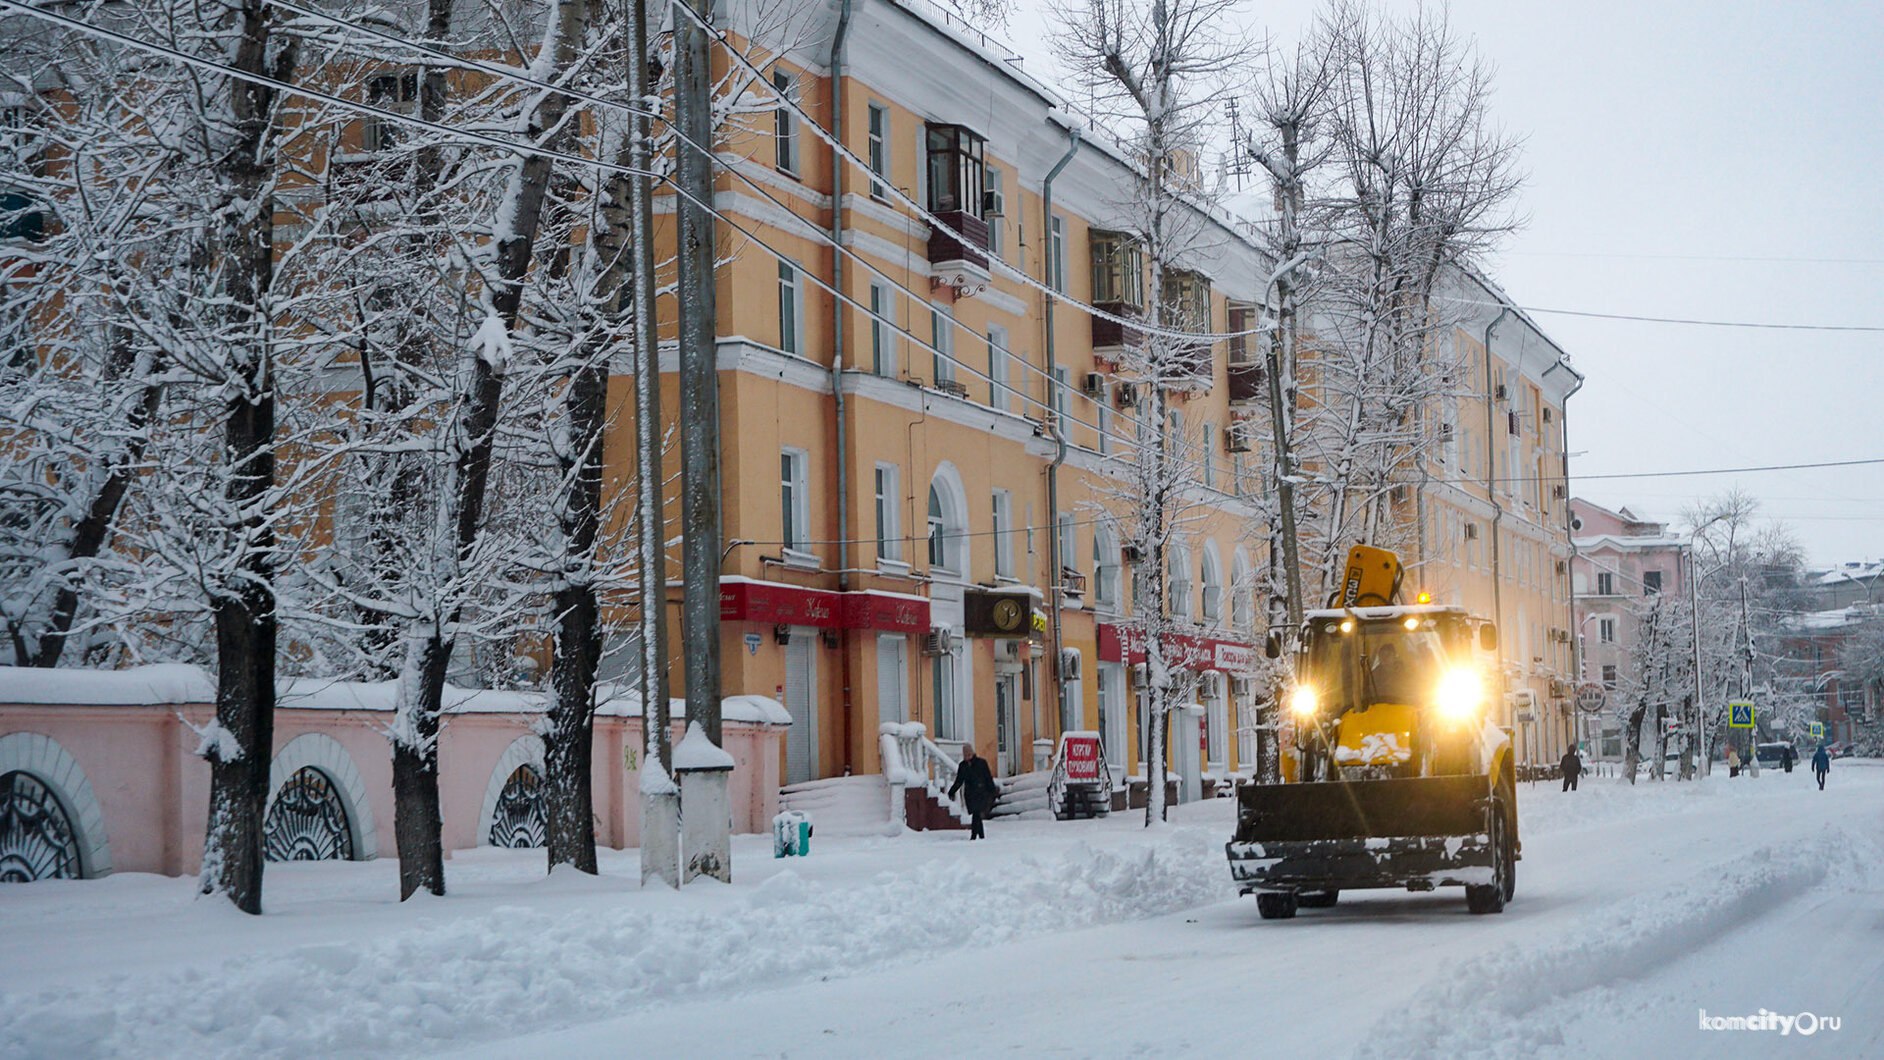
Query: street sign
x,y
1740,714
1591,697
1079,752
1818,730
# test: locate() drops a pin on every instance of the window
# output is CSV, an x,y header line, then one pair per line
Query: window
x,y
1105,567
1105,422
997,368
791,496
1605,583
879,150
997,197
788,308
1187,299
947,709
1242,596
1606,630
1208,438
955,170
1179,590
1651,582
1609,675
1213,588
882,330
889,543
1003,534
1056,255
785,125
942,337
398,93
1118,270
1060,390
1069,543
938,531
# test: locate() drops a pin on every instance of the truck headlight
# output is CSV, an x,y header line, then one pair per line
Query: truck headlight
x,y
1461,693
1304,700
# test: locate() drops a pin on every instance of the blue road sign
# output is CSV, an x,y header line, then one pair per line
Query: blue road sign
x,y
1740,714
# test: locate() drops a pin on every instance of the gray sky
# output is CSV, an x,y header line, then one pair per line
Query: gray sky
x,y
1674,150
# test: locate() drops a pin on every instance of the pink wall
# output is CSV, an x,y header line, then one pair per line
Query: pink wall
x,y
153,790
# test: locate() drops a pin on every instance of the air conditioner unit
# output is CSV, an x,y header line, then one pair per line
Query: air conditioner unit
x,y
1559,490
938,642
1129,554
993,203
1069,664
1095,386
1007,650
1561,565
1126,395
1445,432
1547,414
1471,531
1500,392
1236,439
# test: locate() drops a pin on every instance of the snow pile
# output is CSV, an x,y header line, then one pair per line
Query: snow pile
x,y
1514,998
514,969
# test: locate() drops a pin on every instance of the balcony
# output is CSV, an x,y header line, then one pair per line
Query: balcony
x,y
959,263
1110,338
1247,382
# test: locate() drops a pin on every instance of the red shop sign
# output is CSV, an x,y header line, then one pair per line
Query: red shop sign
x,y
775,603
1080,753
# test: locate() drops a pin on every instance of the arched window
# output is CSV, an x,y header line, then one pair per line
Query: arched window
x,y
518,819
1242,594
948,524
1105,569
1212,573
1178,586
308,821
36,837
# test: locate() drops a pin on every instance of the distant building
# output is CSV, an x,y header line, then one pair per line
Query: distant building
x,y
1845,585
1620,559
1813,651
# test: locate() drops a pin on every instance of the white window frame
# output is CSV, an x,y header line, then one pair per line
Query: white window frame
x,y
998,358
794,502
1069,542
1606,629
1177,588
785,125
992,180
1062,385
883,344
877,124
1003,509
942,338
1056,255
888,499
791,310
1108,585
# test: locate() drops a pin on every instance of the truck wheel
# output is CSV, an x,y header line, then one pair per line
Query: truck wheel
x,y
1318,899
1490,897
1275,905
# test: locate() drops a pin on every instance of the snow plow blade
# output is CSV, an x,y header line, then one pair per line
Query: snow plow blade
x,y
1420,832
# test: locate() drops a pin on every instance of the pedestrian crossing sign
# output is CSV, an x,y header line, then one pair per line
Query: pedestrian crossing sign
x,y
1740,714
1818,730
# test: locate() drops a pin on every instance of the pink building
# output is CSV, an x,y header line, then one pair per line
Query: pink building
x,y
1621,559
99,770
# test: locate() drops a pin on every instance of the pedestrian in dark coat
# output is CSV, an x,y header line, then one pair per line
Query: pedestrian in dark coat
x,y
1786,757
1821,765
1572,769
975,781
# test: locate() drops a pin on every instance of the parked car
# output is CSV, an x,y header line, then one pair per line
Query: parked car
x,y
1773,755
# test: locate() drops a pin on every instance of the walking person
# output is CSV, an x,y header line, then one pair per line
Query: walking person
x,y
1786,757
976,782
1821,765
1572,765
1733,762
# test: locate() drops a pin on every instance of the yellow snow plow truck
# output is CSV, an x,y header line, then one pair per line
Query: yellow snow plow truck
x,y
1399,775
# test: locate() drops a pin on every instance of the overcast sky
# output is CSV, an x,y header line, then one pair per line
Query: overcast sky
x,y
1707,160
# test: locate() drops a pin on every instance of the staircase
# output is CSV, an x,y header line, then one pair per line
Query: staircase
x,y
1025,797
918,774
842,806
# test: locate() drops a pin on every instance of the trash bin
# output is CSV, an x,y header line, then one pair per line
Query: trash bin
x,y
791,834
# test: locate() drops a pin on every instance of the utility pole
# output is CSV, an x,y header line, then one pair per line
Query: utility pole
x,y
660,796
702,765
1746,681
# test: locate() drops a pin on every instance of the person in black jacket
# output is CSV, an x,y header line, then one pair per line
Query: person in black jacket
x,y
1572,765
976,781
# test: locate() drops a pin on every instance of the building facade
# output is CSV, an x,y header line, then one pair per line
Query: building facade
x,y
1622,561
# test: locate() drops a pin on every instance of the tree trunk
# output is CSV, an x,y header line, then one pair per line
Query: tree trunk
x,y
568,800
421,849
240,746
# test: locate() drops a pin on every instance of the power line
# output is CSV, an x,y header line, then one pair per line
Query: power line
x,y
1691,257
1656,474
1759,325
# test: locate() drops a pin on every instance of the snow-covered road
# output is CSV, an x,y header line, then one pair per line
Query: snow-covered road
x,y
1637,909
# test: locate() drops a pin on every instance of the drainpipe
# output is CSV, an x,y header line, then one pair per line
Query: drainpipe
x,y
1576,642
838,181
1054,562
1491,484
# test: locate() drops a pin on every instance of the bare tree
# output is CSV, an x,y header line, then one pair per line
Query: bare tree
x,y
1156,68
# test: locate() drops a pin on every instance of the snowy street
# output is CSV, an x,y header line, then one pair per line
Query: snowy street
x,y
1636,909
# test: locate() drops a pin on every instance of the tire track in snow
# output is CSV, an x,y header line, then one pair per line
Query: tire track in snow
x,y
1482,1004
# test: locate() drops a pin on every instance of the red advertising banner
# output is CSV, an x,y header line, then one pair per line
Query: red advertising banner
x,y
1079,751
775,603
1126,644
